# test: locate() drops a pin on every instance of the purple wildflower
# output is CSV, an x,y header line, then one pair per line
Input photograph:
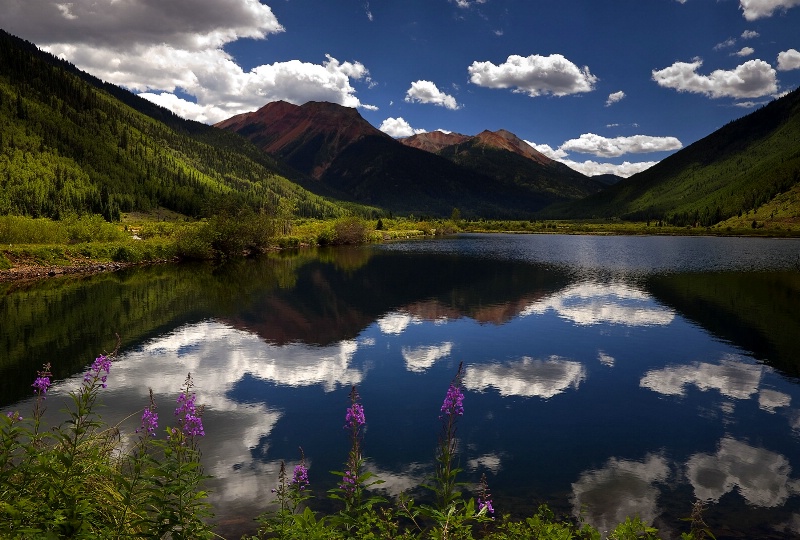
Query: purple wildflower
x,y
349,482
40,385
149,422
453,404
484,497
101,364
300,477
354,417
191,423
14,416
485,504
42,382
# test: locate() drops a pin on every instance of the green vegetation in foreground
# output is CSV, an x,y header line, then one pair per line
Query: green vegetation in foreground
x,y
77,480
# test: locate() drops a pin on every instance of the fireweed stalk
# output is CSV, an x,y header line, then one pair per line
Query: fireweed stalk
x,y
485,497
175,491
446,469
354,480
354,423
40,386
133,466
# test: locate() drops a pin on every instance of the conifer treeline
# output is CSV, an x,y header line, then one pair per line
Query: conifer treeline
x,y
67,145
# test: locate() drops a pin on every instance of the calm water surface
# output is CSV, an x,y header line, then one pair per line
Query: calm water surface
x,y
606,376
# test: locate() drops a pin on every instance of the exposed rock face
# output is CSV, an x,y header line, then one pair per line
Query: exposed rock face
x,y
433,141
506,140
436,141
308,137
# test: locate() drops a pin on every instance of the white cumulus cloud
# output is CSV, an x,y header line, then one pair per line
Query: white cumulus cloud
x,y
754,78
615,97
730,42
427,92
600,146
534,75
788,60
758,9
594,168
398,127
591,167
164,49
745,51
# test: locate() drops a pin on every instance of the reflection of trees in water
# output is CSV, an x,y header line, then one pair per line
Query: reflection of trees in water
x,y
755,310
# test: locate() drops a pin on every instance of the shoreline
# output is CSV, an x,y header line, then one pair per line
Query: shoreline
x,y
32,272
24,270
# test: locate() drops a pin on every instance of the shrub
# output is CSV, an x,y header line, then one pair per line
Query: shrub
x,y
195,242
350,230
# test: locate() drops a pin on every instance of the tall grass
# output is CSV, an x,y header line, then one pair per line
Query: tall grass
x,y
72,230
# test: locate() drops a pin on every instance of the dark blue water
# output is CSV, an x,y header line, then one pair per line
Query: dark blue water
x,y
606,376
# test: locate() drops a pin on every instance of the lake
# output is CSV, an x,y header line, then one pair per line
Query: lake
x,y
606,376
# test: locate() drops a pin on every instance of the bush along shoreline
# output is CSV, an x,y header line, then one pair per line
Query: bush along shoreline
x,y
77,480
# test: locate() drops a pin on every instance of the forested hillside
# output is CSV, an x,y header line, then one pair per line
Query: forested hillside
x,y
731,172
68,145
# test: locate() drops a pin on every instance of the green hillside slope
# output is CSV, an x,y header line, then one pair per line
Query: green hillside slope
x,y
733,171
67,145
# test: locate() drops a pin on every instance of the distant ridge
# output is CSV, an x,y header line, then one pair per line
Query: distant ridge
x,y
740,167
509,160
433,141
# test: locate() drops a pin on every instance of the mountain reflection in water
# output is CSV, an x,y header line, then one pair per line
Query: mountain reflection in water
x,y
604,390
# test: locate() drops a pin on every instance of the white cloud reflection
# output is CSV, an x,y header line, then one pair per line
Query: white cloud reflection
x,y
208,345
606,359
769,400
526,377
491,462
419,359
761,476
597,303
396,482
733,378
605,497
396,323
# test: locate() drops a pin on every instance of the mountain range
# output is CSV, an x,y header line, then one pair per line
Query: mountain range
x,y
491,174
70,143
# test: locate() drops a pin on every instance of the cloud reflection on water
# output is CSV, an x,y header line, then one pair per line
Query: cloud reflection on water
x,y
396,322
761,476
211,344
419,359
527,377
732,377
605,497
590,303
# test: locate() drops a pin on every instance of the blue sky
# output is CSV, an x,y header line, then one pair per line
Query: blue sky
x,y
602,85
